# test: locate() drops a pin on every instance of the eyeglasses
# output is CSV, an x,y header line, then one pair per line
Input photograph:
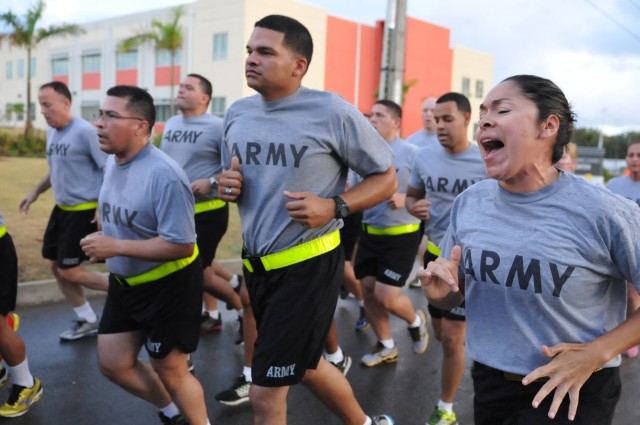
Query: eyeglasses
x,y
111,116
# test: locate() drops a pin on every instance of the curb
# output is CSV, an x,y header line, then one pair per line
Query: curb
x,y
47,291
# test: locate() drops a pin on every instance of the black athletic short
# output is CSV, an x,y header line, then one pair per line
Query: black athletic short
x,y
8,275
62,236
498,401
293,307
457,313
167,310
350,233
388,258
210,228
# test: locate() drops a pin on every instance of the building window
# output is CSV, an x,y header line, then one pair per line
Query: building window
x,y
60,66
18,108
9,71
88,110
8,112
33,67
127,60
220,46
466,86
20,68
479,89
218,106
163,57
163,110
90,63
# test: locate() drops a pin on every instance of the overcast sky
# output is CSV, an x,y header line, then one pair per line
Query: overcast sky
x,y
590,48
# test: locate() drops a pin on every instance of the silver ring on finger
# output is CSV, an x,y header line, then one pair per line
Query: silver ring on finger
x,y
228,191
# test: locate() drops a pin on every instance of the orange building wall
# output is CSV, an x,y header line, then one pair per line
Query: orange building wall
x,y
127,76
429,63
163,75
341,58
62,78
91,81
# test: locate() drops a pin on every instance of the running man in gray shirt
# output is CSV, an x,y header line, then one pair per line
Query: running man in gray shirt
x,y
75,175
287,152
439,175
155,275
629,187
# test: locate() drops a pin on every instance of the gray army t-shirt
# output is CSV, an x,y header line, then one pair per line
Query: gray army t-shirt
x,y
75,162
624,186
194,143
542,267
305,142
145,197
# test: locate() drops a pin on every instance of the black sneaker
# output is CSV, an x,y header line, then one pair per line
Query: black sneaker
x,y
176,420
208,324
237,394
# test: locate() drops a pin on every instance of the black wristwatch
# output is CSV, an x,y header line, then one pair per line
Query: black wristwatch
x,y
214,183
342,209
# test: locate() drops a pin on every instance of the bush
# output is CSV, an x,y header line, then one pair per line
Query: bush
x,y
13,143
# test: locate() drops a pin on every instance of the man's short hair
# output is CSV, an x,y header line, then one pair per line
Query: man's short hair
x,y
58,87
205,85
296,36
393,107
462,102
139,102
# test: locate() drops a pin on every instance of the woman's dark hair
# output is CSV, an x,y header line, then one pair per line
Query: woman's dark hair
x,y
549,100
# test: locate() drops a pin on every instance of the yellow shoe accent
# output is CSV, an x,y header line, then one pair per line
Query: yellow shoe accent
x,y
21,399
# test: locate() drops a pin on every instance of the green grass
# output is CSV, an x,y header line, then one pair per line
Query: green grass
x,y
18,176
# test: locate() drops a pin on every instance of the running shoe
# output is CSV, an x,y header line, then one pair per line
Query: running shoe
x,y
21,399
415,283
237,394
208,324
4,376
344,365
439,416
363,322
81,329
176,420
13,320
420,335
380,354
383,420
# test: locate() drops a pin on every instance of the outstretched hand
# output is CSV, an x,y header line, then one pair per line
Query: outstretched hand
x,y
570,368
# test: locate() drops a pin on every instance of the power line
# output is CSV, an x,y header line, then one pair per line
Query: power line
x,y
615,21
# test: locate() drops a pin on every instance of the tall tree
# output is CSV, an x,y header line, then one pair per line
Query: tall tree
x,y
163,35
24,34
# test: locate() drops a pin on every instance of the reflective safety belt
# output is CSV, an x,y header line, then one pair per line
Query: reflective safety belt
x,y
293,255
391,231
3,231
80,207
158,272
433,249
210,205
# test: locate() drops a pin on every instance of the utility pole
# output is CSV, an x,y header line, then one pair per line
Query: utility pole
x,y
393,41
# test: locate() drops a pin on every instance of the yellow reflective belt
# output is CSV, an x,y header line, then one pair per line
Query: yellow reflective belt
x,y
210,205
391,231
159,272
3,231
298,253
80,207
433,249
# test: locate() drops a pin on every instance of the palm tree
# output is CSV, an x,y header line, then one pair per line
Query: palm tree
x,y
26,35
164,35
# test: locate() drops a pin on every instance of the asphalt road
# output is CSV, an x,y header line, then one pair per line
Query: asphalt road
x,y
76,393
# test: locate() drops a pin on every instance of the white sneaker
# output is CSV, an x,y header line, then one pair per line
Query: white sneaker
x,y
82,329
